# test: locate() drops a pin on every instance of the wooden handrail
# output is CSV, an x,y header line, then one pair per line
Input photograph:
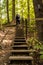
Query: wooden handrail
x,y
37,19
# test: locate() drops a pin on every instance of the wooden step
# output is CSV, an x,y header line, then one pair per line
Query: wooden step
x,y
19,46
19,40
19,37
31,51
20,58
21,52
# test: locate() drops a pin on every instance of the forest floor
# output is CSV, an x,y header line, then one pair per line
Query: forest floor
x,y
6,39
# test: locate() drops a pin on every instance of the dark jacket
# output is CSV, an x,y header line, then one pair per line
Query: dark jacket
x,y
17,19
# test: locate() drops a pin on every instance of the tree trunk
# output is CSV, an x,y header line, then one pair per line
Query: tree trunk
x,y
7,10
0,16
13,9
39,14
28,9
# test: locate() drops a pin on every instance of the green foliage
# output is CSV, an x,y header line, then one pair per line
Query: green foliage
x,y
35,43
21,7
3,11
32,14
10,10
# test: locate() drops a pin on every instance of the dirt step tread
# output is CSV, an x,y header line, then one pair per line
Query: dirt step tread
x,y
20,42
19,39
20,46
20,58
23,51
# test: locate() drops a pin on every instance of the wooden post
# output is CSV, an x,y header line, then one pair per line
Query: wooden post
x,y
26,28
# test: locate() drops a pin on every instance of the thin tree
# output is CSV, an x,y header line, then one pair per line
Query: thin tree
x,y
28,9
0,15
7,7
13,9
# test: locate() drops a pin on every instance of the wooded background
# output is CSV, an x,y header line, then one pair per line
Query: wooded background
x,y
9,9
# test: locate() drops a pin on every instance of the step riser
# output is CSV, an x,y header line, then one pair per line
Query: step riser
x,y
20,44
21,54
19,35
18,62
20,38
19,48
20,41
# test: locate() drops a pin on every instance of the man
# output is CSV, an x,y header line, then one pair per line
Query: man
x,y
17,19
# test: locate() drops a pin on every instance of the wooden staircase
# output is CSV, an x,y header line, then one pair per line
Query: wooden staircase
x,y
20,53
